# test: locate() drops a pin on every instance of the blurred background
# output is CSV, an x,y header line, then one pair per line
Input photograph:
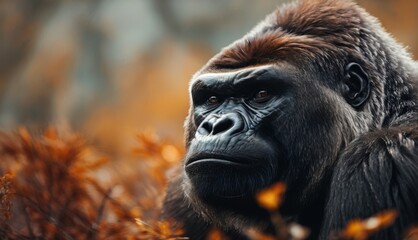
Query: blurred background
x,y
109,69
117,72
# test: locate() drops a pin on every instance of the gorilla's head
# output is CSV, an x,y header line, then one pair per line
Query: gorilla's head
x,y
280,104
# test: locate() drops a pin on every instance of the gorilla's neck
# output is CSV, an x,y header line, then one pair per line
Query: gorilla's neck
x,y
308,212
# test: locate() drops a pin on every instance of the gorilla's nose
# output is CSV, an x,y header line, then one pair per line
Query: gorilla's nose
x,y
224,125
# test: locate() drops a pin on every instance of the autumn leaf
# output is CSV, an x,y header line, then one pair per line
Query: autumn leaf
x,y
361,229
271,197
163,230
215,234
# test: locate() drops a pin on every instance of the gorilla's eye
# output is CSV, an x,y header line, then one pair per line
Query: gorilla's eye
x,y
262,96
213,100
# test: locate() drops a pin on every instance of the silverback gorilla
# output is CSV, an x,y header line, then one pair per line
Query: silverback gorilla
x,y
317,96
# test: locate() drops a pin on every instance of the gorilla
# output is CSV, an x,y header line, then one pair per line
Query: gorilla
x,y
317,96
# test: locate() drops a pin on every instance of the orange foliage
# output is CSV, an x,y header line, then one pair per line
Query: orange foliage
x,y
150,146
215,234
56,194
5,196
361,229
271,197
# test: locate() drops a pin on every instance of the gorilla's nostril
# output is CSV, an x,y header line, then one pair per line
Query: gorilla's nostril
x,y
205,128
222,125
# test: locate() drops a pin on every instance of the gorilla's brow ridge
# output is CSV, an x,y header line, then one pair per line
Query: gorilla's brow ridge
x,y
241,80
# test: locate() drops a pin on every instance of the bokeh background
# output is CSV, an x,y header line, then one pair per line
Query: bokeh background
x,y
116,72
111,68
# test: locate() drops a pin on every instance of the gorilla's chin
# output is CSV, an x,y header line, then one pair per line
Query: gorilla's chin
x,y
212,178
230,204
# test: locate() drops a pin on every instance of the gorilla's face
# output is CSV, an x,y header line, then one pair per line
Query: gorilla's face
x,y
234,151
251,127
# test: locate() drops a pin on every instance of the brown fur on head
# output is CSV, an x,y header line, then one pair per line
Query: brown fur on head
x,y
323,35
310,28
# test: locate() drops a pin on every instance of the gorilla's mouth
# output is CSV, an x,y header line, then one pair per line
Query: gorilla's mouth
x,y
209,159
217,177
213,161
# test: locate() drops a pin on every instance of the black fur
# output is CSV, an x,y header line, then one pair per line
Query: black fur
x,y
318,96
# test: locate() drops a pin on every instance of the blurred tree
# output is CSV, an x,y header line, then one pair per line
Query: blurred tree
x,y
19,24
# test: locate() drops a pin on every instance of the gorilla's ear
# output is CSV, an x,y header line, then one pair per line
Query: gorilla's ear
x,y
357,85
